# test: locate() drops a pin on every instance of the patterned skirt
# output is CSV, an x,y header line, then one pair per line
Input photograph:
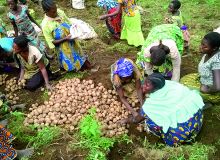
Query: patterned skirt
x,y
114,23
6,149
192,81
184,132
68,51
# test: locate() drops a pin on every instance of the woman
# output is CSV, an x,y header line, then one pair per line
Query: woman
x,y
125,77
131,30
56,30
22,24
113,23
7,59
172,111
208,78
162,51
34,65
6,149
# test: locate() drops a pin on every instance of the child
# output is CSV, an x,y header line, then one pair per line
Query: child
x,y
113,23
132,22
176,18
21,21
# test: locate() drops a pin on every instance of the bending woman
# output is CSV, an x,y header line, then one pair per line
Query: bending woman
x,y
172,112
56,30
208,78
113,23
125,78
34,65
162,51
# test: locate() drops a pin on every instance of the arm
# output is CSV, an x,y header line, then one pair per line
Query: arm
x,y
139,91
124,101
139,118
21,74
176,62
31,18
15,27
112,14
67,38
44,72
216,83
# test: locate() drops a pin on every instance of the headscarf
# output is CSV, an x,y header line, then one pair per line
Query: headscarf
x,y
108,3
124,68
157,80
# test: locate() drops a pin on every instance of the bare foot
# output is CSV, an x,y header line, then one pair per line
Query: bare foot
x,y
25,153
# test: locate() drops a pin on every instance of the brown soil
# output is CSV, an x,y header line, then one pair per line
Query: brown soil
x,y
98,54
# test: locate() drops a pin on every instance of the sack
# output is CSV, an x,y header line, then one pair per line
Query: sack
x,y
217,30
75,31
81,30
78,4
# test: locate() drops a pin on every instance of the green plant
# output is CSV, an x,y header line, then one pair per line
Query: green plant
x,y
16,127
4,106
91,139
45,137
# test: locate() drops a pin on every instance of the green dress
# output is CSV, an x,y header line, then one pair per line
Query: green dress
x,y
161,32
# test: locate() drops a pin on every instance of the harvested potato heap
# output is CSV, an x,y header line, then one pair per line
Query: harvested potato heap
x,y
11,86
3,79
71,100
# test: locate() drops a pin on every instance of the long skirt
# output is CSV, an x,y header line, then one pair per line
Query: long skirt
x,y
131,30
192,81
6,149
68,51
114,23
184,132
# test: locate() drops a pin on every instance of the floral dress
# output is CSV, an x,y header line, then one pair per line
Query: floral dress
x,y
26,28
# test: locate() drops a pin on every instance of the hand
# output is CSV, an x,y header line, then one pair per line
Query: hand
x,y
122,121
134,114
49,87
68,38
204,88
102,17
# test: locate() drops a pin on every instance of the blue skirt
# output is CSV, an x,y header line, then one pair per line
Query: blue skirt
x,y
184,132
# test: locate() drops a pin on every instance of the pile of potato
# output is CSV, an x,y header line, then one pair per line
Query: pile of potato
x,y
12,85
3,79
12,98
70,102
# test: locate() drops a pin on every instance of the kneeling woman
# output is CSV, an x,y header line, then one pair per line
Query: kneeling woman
x,y
162,51
56,30
173,112
34,65
125,77
208,78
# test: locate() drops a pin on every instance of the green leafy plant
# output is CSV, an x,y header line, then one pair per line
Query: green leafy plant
x,y
4,106
45,137
91,139
16,127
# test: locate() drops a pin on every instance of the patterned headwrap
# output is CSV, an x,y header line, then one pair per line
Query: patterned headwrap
x,y
157,80
124,68
108,3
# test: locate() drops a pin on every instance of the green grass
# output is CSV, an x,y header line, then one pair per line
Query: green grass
x,y
196,151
